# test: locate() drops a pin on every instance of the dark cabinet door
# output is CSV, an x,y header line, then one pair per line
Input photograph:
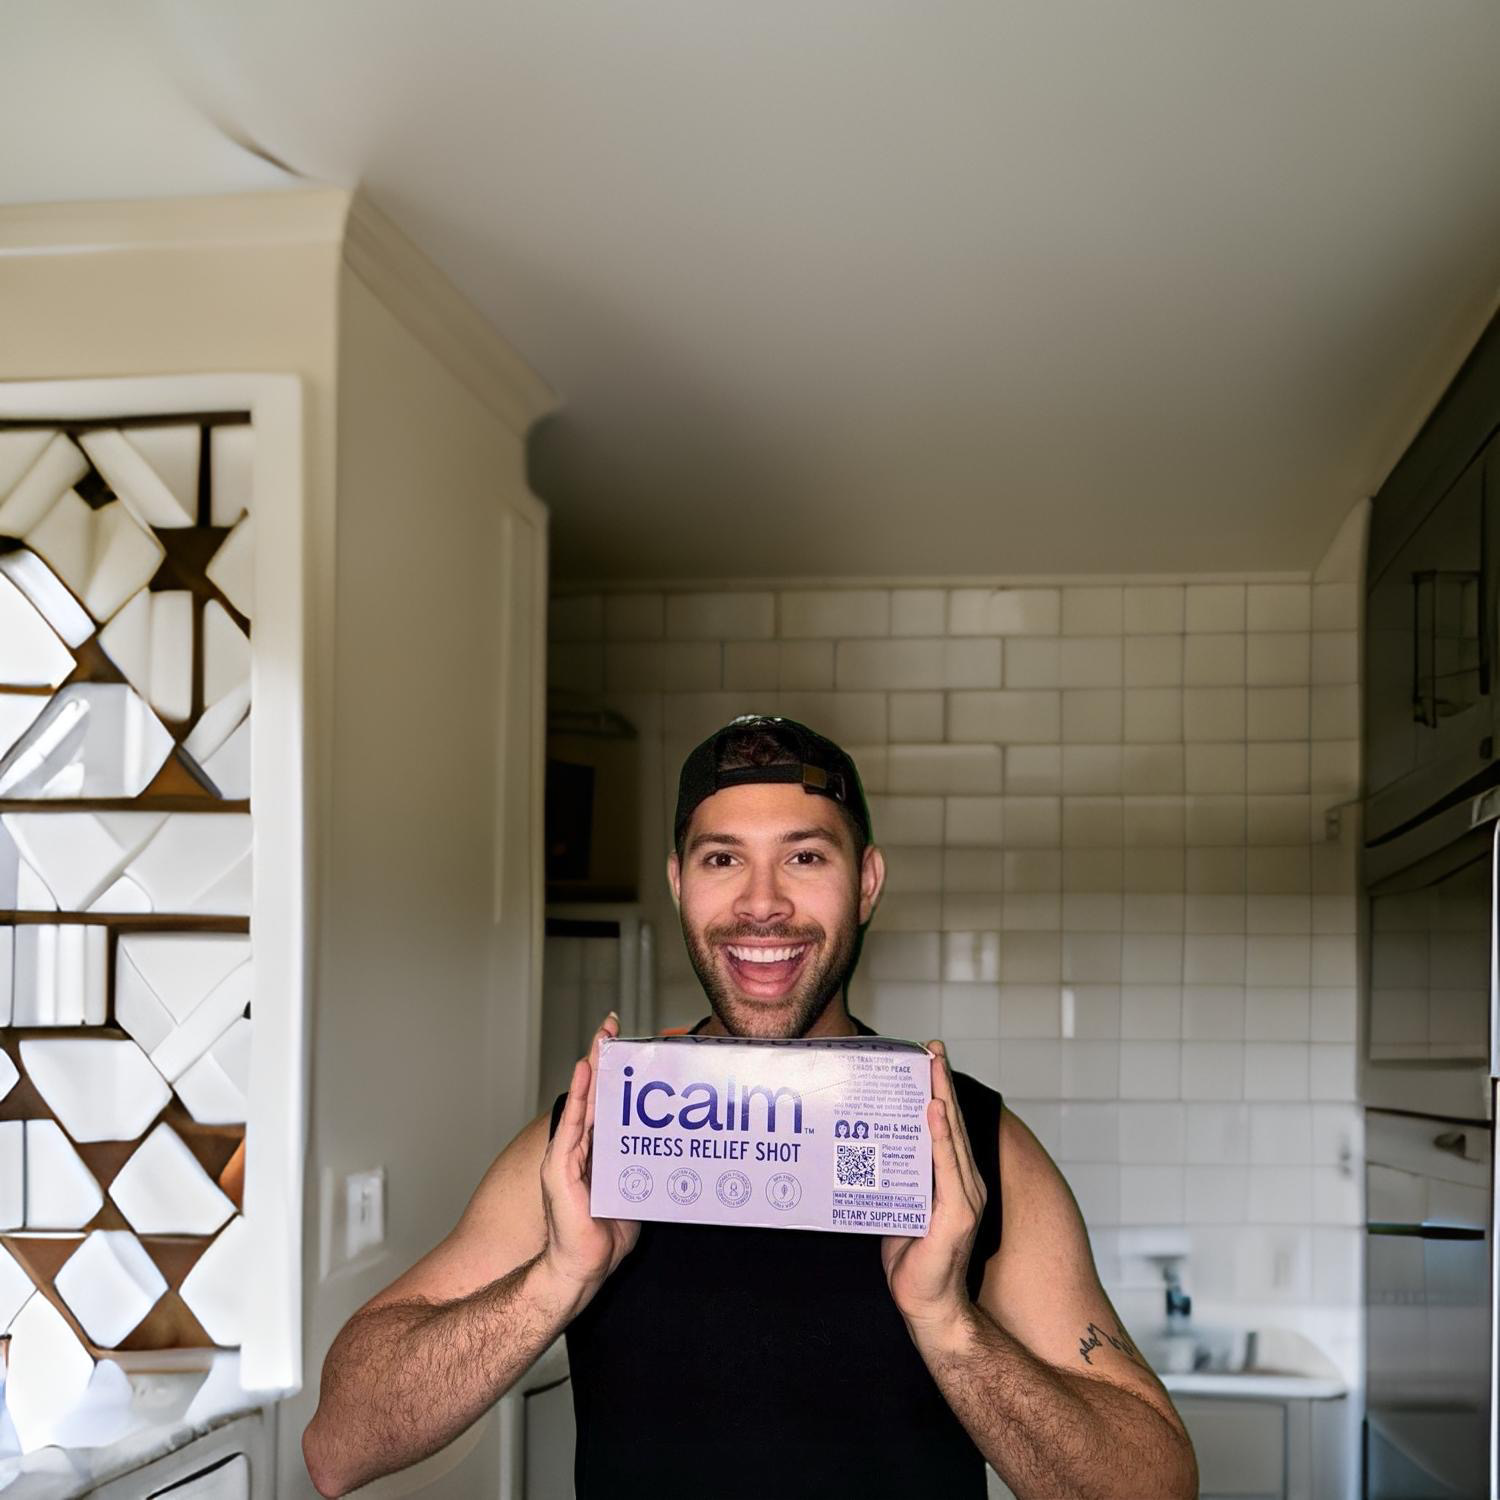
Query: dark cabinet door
x,y
1431,653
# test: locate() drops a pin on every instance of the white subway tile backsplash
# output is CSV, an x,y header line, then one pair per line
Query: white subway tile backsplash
x,y
1151,1195
1335,658
1033,662
1218,1134
1150,1012
1281,1135
971,1010
1153,661
1093,611
1090,1132
1217,1194
919,611
1152,770
1154,609
1004,612
1093,911
1279,606
1094,770
1277,767
945,769
972,664
907,820
1090,662
722,616
1215,607
1005,718
1213,1070
1277,1015
1153,1133
906,1010
634,617
1150,1070
1152,715
1276,1070
1278,660
1214,661
1102,810
835,612
805,666
1090,1069
916,718
1030,1011
876,665
1277,713
1092,957
849,718
671,666
970,911
1215,769
1213,714
1032,911
1030,1069
1033,822
1092,716
974,820
1280,1195
1213,1012
971,957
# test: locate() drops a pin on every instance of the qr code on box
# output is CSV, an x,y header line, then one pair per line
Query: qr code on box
x,y
856,1166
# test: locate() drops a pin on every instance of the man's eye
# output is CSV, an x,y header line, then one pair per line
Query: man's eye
x,y
719,861
807,857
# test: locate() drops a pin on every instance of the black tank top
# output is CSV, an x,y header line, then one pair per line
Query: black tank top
x,y
769,1363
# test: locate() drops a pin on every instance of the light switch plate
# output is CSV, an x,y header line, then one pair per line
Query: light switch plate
x,y
352,1215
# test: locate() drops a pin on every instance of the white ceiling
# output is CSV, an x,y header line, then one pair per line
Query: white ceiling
x,y
865,287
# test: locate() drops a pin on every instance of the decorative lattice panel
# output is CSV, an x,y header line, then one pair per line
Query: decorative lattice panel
x,y
126,576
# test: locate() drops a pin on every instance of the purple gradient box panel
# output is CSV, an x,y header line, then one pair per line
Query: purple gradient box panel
x,y
812,1134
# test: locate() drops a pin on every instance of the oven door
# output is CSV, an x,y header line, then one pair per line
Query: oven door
x,y
1425,1034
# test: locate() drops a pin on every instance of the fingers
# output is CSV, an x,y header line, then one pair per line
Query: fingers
x,y
609,1027
948,1183
942,1088
570,1127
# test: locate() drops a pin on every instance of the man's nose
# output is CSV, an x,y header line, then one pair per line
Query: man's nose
x,y
761,898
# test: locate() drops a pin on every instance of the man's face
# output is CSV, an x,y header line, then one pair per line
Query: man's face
x,y
772,897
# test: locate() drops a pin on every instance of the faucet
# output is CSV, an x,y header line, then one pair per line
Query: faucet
x,y
1179,1304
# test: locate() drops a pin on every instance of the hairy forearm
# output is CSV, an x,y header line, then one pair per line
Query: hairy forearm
x,y
1051,1434
404,1379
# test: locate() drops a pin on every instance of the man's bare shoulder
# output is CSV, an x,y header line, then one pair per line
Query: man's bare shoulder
x,y
502,1227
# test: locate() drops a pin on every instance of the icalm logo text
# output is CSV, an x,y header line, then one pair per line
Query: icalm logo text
x,y
702,1106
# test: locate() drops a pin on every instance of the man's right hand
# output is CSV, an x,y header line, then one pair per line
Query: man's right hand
x,y
581,1250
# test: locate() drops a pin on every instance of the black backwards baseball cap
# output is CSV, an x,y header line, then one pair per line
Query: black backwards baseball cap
x,y
819,766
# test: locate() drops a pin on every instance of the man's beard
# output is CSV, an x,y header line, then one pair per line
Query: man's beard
x,y
797,1012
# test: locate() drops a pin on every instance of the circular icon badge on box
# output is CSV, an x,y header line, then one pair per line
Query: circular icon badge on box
x,y
635,1184
684,1185
733,1189
783,1191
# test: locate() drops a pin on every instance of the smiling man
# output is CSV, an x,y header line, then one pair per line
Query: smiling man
x,y
740,1362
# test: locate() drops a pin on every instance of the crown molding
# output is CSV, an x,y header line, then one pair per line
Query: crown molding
x,y
407,281
293,217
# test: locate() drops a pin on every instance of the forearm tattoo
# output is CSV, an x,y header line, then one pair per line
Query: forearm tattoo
x,y
1095,1337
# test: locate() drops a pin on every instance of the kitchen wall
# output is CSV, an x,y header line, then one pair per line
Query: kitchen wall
x,y
1122,877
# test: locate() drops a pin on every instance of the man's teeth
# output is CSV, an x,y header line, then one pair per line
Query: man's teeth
x,y
764,955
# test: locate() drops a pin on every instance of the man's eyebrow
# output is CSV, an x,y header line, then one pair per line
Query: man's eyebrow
x,y
699,839
802,835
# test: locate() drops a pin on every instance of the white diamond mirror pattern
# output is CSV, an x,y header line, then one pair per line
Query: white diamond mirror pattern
x,y
127,568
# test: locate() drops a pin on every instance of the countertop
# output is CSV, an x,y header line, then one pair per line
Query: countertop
x,y
135,1420
1253,1386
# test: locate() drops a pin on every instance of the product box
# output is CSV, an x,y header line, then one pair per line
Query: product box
x,y
828,1133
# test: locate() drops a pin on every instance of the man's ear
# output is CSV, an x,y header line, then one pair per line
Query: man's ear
x,y
871,882
674,878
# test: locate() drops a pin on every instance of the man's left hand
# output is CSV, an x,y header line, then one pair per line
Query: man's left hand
x,y
927,1276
